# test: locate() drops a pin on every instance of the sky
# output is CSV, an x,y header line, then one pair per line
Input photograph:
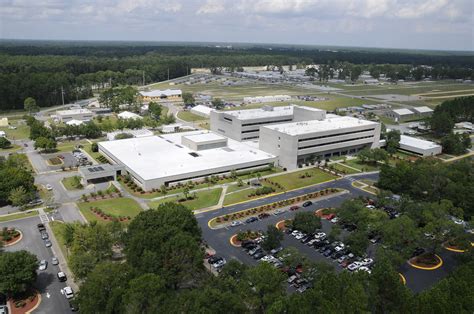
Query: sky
x,y
413,24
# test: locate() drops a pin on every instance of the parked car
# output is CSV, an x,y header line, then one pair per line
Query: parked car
x,y
364,268
278,212
251,219
299,236
330,216
307,203
236,223
366,262
334,220
41,227
61,276
68,292
354,266
47,243
246,243
43,264
44,235
263,215
328,252
49,187
292,278
54,260
294,207
275,251
221,262
258,255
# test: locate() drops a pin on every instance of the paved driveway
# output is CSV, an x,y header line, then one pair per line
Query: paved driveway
x,y
47,283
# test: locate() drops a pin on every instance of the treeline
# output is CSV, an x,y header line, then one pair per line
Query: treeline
x,y
48,72
432,181
163,272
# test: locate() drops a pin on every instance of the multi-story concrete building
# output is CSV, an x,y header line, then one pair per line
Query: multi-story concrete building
x,y
301,142
242,125
74,114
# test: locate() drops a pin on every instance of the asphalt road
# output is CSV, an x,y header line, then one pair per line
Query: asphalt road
x,y
47,283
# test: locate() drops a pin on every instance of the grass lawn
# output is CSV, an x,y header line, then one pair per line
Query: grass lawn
x,y
189,116
340,167
354,163
11,149
240,196
58,230
69,146
88,149
21,132
43,193
115,207
235,187
204,199
70,184
18,216
292,180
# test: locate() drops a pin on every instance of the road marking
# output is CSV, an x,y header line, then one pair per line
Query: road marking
x,y
44,218
48,295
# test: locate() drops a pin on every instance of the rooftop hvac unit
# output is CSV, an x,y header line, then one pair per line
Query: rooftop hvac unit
x,y
267,108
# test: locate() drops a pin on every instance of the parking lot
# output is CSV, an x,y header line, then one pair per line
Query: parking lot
x,y
53,301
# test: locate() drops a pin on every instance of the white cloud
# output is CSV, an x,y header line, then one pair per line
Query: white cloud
x,y
211,7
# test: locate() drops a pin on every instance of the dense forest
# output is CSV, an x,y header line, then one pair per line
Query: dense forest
x,y
45,71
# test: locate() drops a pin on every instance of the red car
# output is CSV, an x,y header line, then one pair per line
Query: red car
x,y
296,207
330,216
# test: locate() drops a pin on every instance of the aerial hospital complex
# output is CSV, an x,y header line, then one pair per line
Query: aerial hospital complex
x,y
240,140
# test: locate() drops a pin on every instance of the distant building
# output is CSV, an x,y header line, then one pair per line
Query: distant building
x,y
400,114
74,114
418,146
201,110
423,111
371,81
4,121
264,99
162,95
129,115
74,122
464,125
134,133
3,134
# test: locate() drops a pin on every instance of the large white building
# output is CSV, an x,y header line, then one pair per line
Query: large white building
x,y
301,142
74,114
244,125
162,95
179,157
263,99
418,146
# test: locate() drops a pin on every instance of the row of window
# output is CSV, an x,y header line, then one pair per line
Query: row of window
x,y
250,131
267,122
332,135
336,142
249,138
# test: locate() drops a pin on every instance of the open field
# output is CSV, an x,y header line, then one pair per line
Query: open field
x,y
204,199
114,206
295,180
414,89
11,149
21,132
189,116
70,184
69,146
354,163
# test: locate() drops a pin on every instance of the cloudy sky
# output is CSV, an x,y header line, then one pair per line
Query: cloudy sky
x,y
420,24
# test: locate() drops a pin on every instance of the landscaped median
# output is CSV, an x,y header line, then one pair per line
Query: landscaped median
x,y
108,210
16,216
220,221
426,261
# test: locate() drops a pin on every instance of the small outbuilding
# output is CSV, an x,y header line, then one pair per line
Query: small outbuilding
x,y
129,115
419,146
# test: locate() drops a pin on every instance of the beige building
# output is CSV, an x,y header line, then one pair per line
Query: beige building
x,y
162,95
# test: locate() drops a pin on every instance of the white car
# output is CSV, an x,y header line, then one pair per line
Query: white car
x,y
49,187
320,235
364,268
236,223
43,265
294,233
367,262
334,220
354,266
299,236
458,221
68,292
370,206
54,260
340,247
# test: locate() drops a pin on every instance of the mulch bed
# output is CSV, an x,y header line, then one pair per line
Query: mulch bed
x,y
425,260
13,239
29,301
281,225
234,241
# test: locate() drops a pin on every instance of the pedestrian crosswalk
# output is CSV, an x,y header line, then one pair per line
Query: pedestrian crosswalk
x,y
44,218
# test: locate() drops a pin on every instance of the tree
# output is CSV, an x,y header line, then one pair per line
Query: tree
x,y
18,272
393,141
104,287
30,105
401,235
273,239
4,143
261,286
355,73
155,109
188,98
94,147
46,144
441,123
186,192
306,222
217,103
19,196
455,143
145,294
358,242
122,136
335,233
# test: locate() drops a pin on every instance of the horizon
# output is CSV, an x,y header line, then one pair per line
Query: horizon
x,y
437,25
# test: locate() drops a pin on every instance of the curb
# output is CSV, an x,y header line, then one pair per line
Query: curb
x,y
37,304
404,280
231,243
18,240
440,263
279,222
362,189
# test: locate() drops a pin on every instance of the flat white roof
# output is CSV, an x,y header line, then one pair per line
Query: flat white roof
x,y
205,137
155,157
202,109
261,113
73,111
332,122
158,93
417,142
423,109
403,111
129,115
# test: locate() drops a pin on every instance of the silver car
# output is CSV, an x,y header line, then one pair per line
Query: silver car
x,y
43,265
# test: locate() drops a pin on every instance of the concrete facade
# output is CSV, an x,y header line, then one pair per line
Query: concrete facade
x,y
74,114
297,143
242,125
